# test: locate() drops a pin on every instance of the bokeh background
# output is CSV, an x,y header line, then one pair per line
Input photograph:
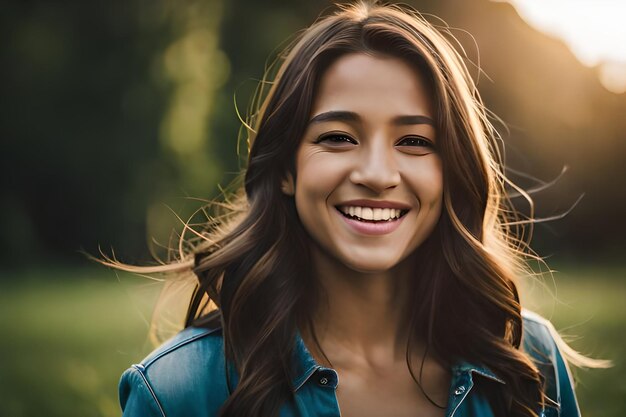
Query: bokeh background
x,y
115,115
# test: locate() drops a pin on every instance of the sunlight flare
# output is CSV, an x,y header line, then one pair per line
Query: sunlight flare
x,y
592,29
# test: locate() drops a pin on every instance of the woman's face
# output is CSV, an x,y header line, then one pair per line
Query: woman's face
x,y
369,181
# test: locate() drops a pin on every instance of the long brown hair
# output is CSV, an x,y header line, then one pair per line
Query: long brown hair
x,y
252,260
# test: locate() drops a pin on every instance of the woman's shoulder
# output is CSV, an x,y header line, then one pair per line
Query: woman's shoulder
x,y
185,376
538,335
540,339
188,345
541,342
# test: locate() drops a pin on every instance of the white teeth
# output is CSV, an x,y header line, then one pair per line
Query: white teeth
x,y
369,213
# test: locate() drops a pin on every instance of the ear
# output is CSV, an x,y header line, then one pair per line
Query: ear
x,y
288,186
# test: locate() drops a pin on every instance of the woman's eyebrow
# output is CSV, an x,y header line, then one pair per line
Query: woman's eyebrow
x,y
335,115
413,120
348,116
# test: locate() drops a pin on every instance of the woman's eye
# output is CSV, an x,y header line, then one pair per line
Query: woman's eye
x,y
337,140
414,141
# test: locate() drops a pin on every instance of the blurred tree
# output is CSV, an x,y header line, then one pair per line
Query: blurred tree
x,y
105,112
79,125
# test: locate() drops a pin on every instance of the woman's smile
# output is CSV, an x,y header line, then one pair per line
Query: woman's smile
x,y
369,214
368,185
371,217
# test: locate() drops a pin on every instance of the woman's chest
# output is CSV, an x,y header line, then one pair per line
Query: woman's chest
x,y
325,393
392,393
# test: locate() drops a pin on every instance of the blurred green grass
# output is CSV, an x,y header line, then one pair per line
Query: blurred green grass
x,y
587,305
68,334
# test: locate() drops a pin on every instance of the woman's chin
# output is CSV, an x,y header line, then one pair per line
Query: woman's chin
x,y
372,264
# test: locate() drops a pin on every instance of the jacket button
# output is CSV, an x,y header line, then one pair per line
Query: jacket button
x,y
460,390
324,381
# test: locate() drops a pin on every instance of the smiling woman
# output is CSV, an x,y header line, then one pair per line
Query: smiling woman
x,y
368,147
370,266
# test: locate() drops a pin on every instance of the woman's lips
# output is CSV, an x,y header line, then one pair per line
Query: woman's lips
x,y
371,227
371,213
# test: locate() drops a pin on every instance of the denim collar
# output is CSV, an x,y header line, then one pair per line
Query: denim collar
x,y
305,367
465,368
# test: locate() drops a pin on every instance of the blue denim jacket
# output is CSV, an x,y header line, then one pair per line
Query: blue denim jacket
x,y
186,376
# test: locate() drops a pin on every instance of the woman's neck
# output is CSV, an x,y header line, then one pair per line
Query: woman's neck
x,y
362,316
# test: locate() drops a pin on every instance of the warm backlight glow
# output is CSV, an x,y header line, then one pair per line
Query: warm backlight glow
x,y
594,30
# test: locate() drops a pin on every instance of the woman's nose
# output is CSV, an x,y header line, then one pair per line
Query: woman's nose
x,y
376,169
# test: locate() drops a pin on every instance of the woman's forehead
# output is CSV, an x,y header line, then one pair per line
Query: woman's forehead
x,y
371,85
